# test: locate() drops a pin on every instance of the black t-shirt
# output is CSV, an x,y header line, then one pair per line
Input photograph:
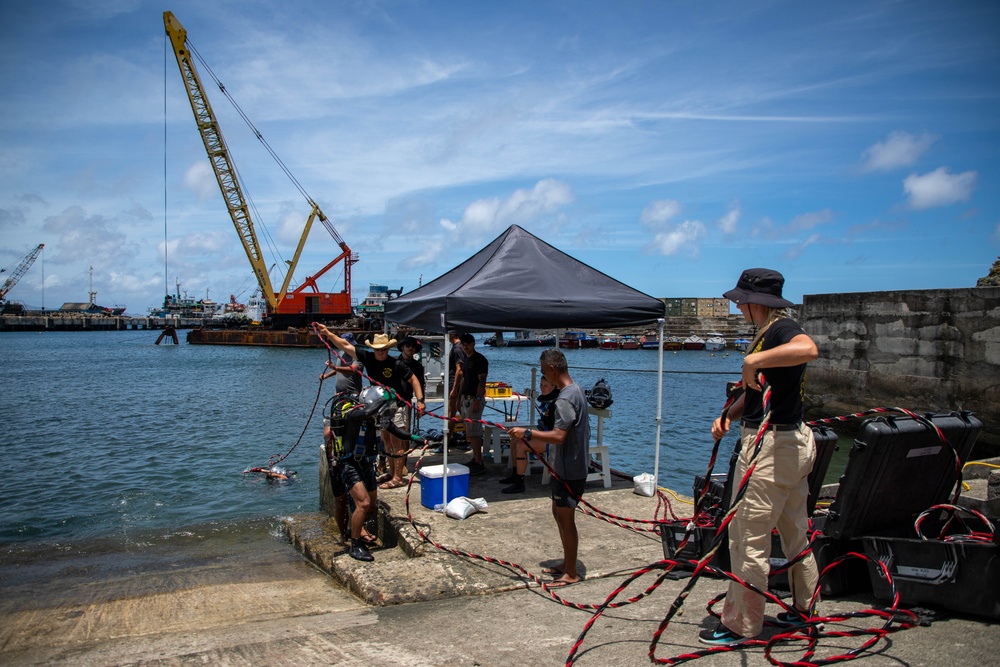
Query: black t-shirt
x,y
455,357
786,383
391,373
472,367
417,369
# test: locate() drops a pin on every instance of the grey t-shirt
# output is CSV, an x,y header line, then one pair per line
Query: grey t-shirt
x,y
352,382
572,458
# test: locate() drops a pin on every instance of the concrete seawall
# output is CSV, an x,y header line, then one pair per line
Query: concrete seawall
x,y
925,350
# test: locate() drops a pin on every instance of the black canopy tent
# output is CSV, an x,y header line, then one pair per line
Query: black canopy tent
x,y
519,281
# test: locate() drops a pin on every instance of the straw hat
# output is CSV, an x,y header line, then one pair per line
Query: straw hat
x,y
381,342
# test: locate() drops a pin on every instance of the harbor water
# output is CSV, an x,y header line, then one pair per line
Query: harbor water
x,y
109,439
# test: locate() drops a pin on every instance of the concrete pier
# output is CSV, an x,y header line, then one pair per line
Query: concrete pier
x,y
259,602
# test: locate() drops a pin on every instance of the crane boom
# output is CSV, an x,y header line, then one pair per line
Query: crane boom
x,y
218,154
225,173
20,270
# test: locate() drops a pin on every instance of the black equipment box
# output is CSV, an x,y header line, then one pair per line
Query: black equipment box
x,y
826,445
960,576
672,534
897,468
849,576
715,495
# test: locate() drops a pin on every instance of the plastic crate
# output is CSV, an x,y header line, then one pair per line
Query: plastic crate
x,y
498,390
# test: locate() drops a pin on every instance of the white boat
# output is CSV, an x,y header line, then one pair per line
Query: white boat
x,y
694,342
715,342
741,344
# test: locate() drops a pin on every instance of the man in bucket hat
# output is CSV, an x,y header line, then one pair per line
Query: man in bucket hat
x,y
778,489
393,374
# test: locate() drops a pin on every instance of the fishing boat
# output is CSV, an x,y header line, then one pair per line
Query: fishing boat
x,y
629,342
609,342
741,344
574,340
520,339
673,343
694,342
650,341
715,342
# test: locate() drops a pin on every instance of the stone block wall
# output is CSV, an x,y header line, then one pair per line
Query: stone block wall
x,y
925,350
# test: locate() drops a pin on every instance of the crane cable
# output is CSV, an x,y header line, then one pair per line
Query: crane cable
x,y
253,128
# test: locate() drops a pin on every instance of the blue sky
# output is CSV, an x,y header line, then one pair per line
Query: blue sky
x,y
854,146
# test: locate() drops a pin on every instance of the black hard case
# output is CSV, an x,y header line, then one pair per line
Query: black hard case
x,y
959,576
719,496
897,468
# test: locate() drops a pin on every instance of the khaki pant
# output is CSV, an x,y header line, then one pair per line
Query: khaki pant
x,y
776,497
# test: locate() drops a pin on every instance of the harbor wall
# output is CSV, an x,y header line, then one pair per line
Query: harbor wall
x,y
80,322
924,350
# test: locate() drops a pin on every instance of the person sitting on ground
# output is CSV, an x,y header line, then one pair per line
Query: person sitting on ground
x,y
570,435
519,448
390,373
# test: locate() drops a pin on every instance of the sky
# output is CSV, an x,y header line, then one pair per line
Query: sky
x,y
854,146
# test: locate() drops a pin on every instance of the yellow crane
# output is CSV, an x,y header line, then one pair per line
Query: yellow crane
x,y
18,271
305,303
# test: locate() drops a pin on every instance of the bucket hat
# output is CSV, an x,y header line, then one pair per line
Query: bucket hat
x,y
381,342
761,286
409,340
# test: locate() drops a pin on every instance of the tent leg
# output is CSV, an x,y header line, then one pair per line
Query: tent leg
x,y
659,410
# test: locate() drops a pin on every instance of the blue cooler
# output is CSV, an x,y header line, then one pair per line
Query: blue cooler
x,y
432,487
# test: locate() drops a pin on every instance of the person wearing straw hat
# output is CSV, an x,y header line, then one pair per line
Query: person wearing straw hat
x,y
393,374
778,489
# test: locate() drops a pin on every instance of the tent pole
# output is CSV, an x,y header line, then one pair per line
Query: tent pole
x,y
445,350
659,410
532,396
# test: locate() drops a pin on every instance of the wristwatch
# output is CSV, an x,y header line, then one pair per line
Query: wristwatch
x,y
527,434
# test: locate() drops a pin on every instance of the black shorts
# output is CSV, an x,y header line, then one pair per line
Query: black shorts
x,y
562,496
353,471
337,481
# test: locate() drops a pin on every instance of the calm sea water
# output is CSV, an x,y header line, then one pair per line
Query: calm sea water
x,y
109,437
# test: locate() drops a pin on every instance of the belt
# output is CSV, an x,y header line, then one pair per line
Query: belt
x,y
772,427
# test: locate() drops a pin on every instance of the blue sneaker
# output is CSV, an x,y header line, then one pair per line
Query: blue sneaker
x,y
792,619
719,636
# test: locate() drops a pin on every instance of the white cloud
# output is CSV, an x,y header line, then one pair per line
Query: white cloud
x,y
727,223
659,212
796,250
200,180
938,188
810,220
679,237
431,251
900,149
485,216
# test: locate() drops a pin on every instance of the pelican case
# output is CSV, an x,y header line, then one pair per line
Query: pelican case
x,y
897,468
717,501
959,576
849,576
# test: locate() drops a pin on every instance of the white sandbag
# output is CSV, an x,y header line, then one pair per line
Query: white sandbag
x,y
461,507
644,485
